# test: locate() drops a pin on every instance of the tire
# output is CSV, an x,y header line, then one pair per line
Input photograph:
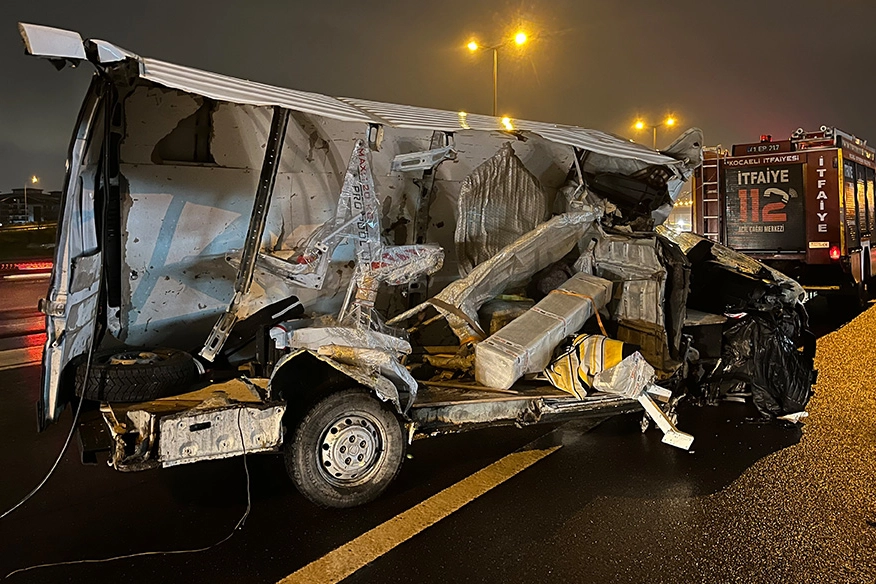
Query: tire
x,y
135,375
321,457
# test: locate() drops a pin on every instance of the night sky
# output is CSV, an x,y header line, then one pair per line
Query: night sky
x,y
735,69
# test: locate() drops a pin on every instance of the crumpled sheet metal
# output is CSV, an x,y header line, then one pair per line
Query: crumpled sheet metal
x,y
374,362
383,388
792,291
312,338
498,202
635,266
517,262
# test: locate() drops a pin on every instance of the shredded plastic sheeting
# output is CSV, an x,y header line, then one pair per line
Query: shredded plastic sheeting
x,y
516,263
628,378
498,202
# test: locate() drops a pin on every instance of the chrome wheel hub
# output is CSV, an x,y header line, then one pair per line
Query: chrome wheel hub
x,y
350,449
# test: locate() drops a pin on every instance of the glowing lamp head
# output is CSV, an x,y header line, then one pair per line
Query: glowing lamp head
x,y
520,38
670,121
34,179
472,46
640,125
834,253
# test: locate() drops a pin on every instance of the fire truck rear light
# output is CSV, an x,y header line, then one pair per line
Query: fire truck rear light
x,y
834,253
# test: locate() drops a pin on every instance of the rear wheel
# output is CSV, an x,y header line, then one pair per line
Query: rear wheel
x,y
346,450
134,375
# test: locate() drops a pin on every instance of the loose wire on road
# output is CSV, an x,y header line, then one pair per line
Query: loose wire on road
x,y
237,526
66,442
72,426
57,460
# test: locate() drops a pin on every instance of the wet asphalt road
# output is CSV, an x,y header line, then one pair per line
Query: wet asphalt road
x,y
751,503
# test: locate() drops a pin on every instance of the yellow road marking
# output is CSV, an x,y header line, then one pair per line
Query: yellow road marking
x,y
347,559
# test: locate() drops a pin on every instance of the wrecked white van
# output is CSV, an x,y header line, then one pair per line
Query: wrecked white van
x,y
243,268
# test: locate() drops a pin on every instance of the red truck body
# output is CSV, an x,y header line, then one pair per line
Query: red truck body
x,y
803,205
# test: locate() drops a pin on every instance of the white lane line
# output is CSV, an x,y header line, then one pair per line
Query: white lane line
x,y
40,276
350,557
12,358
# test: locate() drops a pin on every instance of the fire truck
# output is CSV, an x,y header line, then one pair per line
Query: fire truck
x,y
804,206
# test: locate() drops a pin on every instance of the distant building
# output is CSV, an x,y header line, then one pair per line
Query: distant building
x,y
34,206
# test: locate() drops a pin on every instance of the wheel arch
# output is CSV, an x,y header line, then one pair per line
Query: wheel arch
x,y
301,378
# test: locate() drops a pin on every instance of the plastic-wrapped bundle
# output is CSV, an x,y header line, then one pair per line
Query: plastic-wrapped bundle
x,y
517,262
527,343
498,202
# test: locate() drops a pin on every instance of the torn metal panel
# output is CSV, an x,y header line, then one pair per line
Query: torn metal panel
x,y
109,53
471,413
474,409
152,113
499,202
224,88
671,434
51,43
383,388
375,361
138,440
792,291
427,160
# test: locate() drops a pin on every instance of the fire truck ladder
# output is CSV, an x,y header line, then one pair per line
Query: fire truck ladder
x,y
711,203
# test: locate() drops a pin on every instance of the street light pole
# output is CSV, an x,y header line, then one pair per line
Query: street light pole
x,y
640,125
519,39
34,180
495,81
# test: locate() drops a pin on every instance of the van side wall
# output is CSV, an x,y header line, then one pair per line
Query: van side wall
x,y
180,218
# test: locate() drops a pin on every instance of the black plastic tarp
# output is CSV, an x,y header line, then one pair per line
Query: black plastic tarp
x,y
760,352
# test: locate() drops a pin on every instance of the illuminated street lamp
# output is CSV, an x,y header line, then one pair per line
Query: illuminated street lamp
x,y
668,122
519,39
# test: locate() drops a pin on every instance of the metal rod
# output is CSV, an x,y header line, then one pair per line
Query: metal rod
x,y
264,192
